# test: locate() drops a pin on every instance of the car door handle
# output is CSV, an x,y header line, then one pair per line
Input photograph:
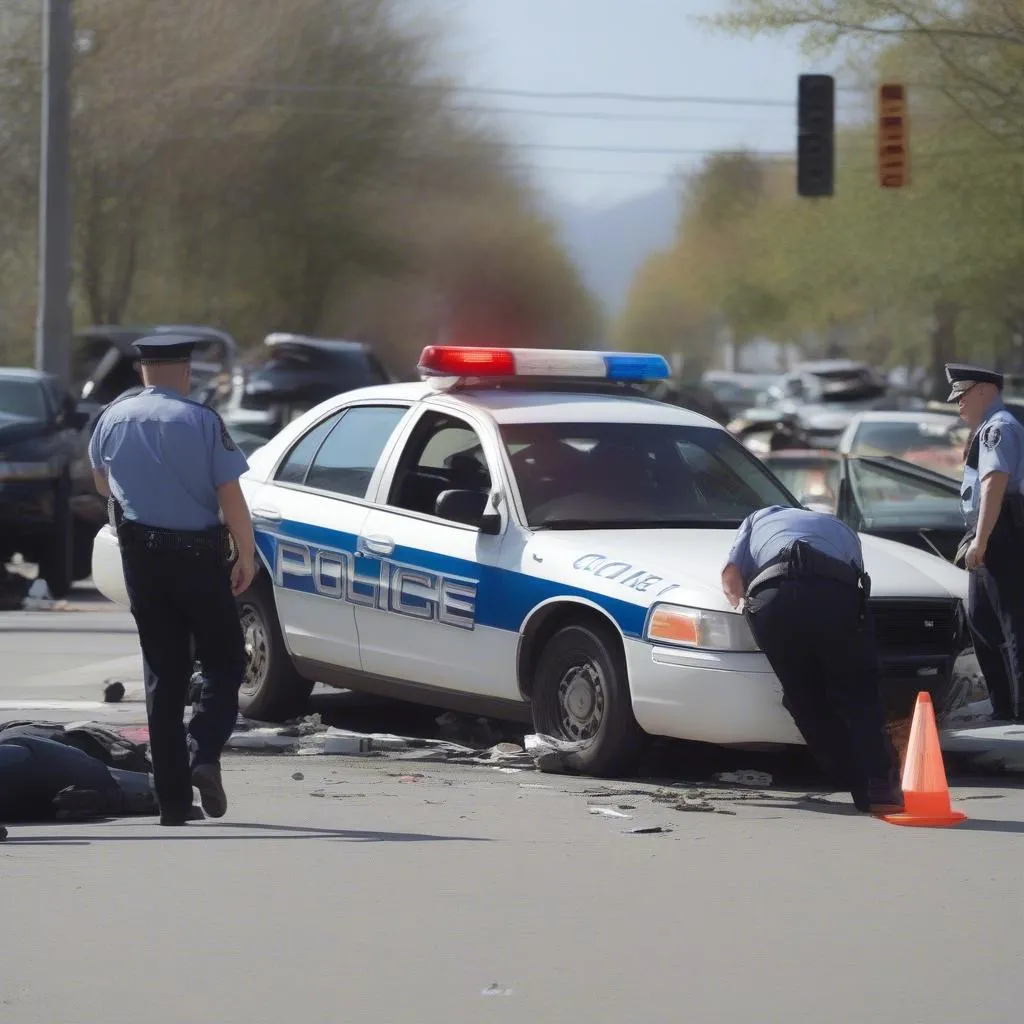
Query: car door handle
x,y
378,545
263,512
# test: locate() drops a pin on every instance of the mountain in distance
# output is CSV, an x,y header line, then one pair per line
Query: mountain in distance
x,y
610,243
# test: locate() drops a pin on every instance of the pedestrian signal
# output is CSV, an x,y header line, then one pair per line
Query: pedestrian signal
x,y
815,146
893,136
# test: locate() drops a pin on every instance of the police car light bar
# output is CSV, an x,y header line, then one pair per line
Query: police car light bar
x,y
464,361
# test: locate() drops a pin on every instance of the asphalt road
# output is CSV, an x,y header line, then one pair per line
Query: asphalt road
x,y
383,890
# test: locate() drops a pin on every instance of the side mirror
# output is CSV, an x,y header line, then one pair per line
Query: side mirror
x,y
469,507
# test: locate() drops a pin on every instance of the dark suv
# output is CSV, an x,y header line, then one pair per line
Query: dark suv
x,y
294,373
44,466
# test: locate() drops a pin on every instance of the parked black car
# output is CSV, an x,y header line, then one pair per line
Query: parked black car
x,y
293,374
44,471
879,495
104,364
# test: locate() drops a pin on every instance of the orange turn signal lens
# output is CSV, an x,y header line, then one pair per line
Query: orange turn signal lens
x,y
675,626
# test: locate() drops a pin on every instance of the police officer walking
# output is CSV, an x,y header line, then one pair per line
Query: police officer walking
x,y
171,471
800,577
993,547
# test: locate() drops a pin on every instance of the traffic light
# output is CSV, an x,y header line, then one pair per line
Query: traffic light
x,y
893,136
816,144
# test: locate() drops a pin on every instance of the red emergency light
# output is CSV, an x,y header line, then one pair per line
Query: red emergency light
x,y
463,361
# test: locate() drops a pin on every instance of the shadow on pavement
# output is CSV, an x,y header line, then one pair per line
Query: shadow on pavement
x,y
197,832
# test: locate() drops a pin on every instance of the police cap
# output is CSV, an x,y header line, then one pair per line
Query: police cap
x,y
963,378
165,348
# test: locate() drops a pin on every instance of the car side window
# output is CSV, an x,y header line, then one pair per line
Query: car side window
x,y
346,460
444,453
294,468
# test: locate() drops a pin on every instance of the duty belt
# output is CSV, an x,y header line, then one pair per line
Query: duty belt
x,y
131,534
801,561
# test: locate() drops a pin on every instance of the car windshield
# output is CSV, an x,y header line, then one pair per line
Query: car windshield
x,y
887,495
635,475
900,438
22,399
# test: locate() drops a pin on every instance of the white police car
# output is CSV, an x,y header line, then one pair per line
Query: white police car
x,y
525,534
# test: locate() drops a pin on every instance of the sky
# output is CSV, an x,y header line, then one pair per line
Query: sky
x,y
650,47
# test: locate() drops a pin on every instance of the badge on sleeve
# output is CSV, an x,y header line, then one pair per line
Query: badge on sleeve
x,y
991,436
225,438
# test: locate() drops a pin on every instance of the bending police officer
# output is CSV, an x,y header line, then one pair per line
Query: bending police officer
x,y
993,548
801,577
171,471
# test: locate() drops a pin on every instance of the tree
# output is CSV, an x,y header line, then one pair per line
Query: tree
x,y
273,165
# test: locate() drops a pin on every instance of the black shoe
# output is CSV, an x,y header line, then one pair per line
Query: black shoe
x,y
206,778
182,817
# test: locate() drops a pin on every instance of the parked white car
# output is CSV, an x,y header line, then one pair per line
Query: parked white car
x,y
524,534
934,440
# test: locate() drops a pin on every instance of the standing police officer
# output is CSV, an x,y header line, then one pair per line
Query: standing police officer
x,y
801,576
171,471
993,547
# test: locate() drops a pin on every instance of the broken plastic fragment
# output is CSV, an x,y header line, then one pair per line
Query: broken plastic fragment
x,y
643,830
494,989
759,780
608,812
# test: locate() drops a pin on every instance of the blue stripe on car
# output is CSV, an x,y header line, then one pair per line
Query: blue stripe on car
x,y
504,597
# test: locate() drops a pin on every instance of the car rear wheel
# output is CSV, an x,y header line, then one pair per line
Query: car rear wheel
x,y
272,691
55,560
581,694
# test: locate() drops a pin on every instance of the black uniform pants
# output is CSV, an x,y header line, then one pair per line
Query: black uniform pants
x,y
995,614
177,596
825,657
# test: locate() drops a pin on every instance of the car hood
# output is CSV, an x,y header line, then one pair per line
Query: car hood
x,y
684,566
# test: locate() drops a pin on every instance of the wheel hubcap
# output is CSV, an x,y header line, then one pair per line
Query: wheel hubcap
x,y
581,701
257,649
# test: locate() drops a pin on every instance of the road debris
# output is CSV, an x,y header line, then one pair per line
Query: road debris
x,y
645,830
494,989
39,599
758,780
608,812
554,755
298,776
113,692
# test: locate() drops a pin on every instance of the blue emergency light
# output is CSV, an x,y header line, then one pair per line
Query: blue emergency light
x,y
466,361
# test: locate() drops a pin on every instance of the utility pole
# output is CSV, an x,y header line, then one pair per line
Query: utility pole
x,y
53,320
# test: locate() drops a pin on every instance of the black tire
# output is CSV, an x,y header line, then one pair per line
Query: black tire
x,y
56,556
81,549
272,690
581,692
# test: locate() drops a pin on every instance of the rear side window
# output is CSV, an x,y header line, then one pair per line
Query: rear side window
x,y
294,468
346,460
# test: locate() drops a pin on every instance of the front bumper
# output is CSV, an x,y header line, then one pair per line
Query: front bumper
x,y
735,699
107,571
708,697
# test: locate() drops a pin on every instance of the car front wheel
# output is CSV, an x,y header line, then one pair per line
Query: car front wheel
x,y
581,694
272,690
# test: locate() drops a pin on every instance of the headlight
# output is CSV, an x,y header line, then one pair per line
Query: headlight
x,y
696,627
45,470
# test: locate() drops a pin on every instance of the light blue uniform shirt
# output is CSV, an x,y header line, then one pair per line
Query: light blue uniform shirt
x,y
1000,446
165,456
768,532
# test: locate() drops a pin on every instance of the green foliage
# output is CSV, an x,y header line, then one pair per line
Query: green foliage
x,y
891,273
274,165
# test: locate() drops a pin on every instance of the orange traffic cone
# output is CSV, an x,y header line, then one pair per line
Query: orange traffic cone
x,y
925,790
